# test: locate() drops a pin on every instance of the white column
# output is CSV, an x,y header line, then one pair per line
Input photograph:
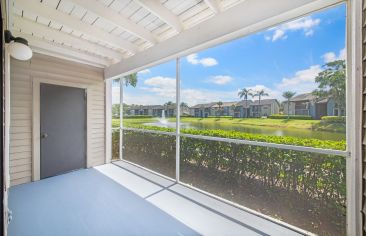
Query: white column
x,y
120,118
177,136
354,117
108,121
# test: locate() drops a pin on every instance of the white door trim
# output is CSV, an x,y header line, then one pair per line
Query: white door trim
x,y
36,123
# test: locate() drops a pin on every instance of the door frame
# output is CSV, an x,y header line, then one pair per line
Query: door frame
x,y
36,122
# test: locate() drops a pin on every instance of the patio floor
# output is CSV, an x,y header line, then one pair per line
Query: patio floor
x,y
123,199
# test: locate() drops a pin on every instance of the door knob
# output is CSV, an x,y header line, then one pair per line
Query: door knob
x,y
44,135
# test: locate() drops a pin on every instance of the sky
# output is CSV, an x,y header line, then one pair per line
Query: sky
x,y
287,57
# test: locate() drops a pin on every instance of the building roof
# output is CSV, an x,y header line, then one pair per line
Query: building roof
x,y
245,104
204,105
303,97
225,104
264,102
146,107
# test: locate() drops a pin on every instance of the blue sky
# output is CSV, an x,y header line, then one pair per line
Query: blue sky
x,y
285,57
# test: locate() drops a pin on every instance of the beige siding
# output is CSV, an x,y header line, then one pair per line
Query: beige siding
x,y
44,67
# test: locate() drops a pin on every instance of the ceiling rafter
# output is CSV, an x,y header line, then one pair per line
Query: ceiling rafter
x,y
53,49
36,7
155,7
117,19
43,30
213,5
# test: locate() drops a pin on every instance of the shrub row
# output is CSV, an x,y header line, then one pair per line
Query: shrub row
x,y
137,116
313,176
334,119
292,117
219,117
325,144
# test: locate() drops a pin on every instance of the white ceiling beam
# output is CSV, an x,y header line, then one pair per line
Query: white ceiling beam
x,y
213,5
116,19
41,9
53,49
44,31
155,7
227,25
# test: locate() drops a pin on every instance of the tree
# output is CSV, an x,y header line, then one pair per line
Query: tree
x,y
131,79
233,106
115,110
260,93
183,104
220,106
332,83
169,103
288,95
244,93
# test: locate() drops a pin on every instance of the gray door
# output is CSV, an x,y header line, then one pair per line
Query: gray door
x,y
63,129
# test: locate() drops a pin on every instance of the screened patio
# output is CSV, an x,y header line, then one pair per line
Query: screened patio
x,y
107,176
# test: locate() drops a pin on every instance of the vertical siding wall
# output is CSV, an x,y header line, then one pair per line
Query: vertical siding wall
x,y
50,68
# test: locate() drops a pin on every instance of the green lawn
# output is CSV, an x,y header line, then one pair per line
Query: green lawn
x,y
277,123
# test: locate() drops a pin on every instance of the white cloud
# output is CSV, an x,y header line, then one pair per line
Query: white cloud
x,y
278,34
271,92
206,61
306,24
115,94
303,81
331,56
146,71
197,96
161,86
221,79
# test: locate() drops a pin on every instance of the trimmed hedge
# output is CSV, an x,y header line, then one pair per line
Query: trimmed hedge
x,y
317,143
292,117
334,119
219,117
313,176
137,116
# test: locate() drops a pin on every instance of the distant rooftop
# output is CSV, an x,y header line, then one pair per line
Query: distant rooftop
x,y
303,97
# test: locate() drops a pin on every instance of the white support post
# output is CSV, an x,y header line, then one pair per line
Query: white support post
x,y
108,121
177,135
120,118
354,117
6,129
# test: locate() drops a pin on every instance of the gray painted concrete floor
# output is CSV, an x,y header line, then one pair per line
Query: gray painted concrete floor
x,y
122,199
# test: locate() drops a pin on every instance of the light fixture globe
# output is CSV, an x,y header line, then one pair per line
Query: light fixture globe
x,y
18,47
20,51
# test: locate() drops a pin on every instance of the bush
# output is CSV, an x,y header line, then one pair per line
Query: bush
x,y
292,117
316,143
137,116
334,119
312,175
219,117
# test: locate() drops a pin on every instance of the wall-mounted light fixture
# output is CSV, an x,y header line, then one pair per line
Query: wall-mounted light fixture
x,y
18,47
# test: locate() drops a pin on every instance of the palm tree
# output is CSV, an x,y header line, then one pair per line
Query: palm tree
x,y
288,95
260,93
244,93
219,104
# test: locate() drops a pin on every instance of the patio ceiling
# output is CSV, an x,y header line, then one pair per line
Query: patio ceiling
x,y
126,35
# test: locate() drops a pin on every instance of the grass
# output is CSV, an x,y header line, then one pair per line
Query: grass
x,y
275,123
